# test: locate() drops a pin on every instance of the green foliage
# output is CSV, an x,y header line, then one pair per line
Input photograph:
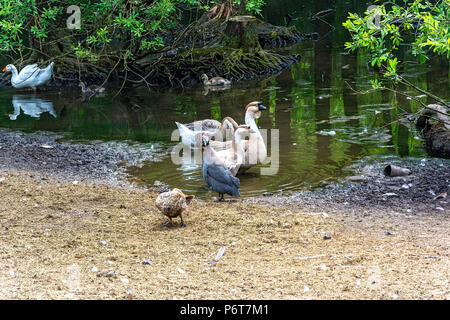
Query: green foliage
x,y
254,6
422,25
109,28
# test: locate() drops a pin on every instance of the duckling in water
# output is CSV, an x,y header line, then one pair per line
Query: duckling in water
x,y
173,203
90,89
216,81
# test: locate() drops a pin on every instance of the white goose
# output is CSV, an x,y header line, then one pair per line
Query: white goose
x,y
29,77
191,133
255,148
234,157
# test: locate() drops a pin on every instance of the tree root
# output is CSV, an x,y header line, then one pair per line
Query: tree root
x,y
186,68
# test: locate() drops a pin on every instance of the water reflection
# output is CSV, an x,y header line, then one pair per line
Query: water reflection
x,y
31,106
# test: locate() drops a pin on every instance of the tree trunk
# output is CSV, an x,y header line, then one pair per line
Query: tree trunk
x,y
242,32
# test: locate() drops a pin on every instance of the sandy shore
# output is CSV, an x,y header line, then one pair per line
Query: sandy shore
x,y
61,240
73,227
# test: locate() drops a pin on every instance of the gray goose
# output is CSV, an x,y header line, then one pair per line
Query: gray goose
x,y
216,173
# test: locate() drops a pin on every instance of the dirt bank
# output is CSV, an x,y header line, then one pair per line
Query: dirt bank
x,y
424,192
60,240
72,227
97,162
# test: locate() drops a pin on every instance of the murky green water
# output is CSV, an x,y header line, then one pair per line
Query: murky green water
x,y
326,117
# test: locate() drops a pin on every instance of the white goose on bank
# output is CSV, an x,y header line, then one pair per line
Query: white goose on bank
x,y
29,77
255,150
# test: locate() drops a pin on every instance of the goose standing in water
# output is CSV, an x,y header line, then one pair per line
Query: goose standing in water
x,y
255,147
216,173
91,88
252,112
173,203
255,150
233,157
191,133
30,76
216,81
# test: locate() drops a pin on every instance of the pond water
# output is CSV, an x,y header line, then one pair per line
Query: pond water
x,y
326,114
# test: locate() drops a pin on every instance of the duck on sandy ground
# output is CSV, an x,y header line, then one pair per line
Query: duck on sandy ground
x,y
173,203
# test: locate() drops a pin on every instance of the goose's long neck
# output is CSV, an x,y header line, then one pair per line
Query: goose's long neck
x,y
228,126
234,143
14,73
250,121
209,153
231,121
237,145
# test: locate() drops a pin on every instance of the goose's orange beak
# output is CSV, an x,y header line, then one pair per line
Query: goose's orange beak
x,y
4,69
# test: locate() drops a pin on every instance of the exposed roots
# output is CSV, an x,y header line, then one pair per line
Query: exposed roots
x,y
215,44
232,64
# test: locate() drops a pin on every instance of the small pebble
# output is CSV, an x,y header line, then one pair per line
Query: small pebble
x,y
321,267
146,262
326,237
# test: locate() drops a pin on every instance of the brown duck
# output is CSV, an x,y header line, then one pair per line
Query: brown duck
x,y
173,203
